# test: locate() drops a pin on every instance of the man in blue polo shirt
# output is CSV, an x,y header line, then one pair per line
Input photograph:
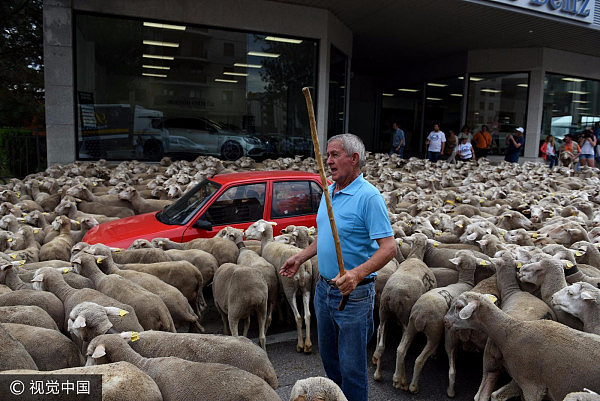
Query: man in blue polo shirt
x,y
367,244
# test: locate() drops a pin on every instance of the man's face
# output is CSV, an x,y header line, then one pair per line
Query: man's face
x,y
395,126
340,164
436,127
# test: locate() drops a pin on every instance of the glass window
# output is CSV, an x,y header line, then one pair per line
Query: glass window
x,y
232,93
506,98
238,204
295,198
403,106
337,92
443,104
189,204
570,105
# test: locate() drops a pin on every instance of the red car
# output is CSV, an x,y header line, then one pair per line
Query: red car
x,y
236,199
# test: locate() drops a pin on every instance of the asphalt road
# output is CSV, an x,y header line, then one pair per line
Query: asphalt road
x,y
291,365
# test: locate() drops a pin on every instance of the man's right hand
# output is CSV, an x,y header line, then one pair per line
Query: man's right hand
x,y
290,267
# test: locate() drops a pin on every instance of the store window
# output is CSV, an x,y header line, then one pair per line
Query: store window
x,y
337,92
231,94
402,106
500,102
570,105
443,104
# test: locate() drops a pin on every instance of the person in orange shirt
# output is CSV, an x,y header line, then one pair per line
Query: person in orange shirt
x,y
482,142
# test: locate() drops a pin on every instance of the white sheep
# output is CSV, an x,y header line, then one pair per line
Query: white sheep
x,y
581,300
27,314
317,389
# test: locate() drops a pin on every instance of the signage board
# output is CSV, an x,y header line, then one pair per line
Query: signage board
x,y
579,10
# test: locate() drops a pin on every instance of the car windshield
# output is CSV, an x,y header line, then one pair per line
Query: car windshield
x,y
188,205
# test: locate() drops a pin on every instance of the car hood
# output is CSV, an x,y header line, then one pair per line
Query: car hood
x,y
121,233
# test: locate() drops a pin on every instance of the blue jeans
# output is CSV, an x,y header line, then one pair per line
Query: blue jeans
x,y
433,156
343,337
399,152
552,160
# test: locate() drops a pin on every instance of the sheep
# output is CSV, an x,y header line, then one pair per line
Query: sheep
x,y
152,255
240,352
13,353
518,304
50,280
277,253
580,300
27,314
177,304
239,291
31,251
151,310
141,205
45,300
205,262
49,348
172,374
549,276
121,381
427,316
412,279
59,247
585,395
317,389
71,277
523,342
69,208
110,200
438,256
223,250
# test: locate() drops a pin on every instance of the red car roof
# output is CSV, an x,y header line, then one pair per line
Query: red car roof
x,y
264,174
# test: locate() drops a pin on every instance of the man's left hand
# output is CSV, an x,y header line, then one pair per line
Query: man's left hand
x,y
348,282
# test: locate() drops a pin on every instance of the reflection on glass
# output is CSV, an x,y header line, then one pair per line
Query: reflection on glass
x,y
403,107
232,94
337,92
188,205
500,102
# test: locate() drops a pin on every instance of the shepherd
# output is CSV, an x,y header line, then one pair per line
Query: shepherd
x,y
367,244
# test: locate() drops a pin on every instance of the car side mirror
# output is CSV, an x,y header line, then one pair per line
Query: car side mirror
x,y
203,224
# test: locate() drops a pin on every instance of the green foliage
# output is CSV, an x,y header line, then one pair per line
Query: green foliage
x,y
21,63
19,152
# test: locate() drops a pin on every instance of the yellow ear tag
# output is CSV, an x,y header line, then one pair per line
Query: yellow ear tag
x,y
13,255
77,222
66,270
450,202
45,213
135,336
569,265
577,253
519,265
18,194
503,232
122,312
21,262
94,184
36,231
551,214
483,263
10,240
410,224
117,250
458,198
598,244
77,200
480,200
460,225
438,233
399,242
534,235
436,243
491,298
428,207
436,222
99,260
574,214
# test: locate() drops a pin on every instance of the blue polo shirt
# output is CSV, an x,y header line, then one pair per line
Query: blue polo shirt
x,y
361,217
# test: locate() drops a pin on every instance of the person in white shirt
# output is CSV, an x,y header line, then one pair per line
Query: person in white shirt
x,y
436,141
465,149
587,142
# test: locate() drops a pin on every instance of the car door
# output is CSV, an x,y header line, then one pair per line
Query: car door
x,y
238,206
294,202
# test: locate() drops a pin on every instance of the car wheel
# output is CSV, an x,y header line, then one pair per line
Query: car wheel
x,y
231,150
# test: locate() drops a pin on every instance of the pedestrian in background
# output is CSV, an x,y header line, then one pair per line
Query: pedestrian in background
x,y
435,143
587,143
482,142
465,149
398,141
515,143
549,151
367,242
451,147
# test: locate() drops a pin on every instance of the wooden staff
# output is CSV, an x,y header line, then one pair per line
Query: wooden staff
x,y
336,238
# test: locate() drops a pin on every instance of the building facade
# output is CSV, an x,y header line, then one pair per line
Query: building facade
x,y
143,79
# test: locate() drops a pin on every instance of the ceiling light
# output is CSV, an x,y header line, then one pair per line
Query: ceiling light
x,y
387,94
147,74
285,40
456,94
580,101
556,111
436,85
156,67
164,26
434,98
578,92
158,43
461,77
408,90
263,54
572,79
237,74
247,65
476,79
158,57
582,108
490,90
232,81
523,85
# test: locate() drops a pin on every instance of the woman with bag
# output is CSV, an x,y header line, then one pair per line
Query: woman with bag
x,y
549,152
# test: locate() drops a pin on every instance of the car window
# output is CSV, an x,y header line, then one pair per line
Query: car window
x,y
188,205
295,198
239,204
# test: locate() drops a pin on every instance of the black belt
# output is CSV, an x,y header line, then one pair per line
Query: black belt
x,y
366,280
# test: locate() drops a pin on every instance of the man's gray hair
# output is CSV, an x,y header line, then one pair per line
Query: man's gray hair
x,y
351,144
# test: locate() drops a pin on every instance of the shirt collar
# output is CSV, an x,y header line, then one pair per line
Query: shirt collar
x,y
352,188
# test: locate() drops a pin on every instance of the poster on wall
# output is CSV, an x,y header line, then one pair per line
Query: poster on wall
x,y
87,111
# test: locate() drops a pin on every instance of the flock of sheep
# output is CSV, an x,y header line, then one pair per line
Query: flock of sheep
x,y
503,259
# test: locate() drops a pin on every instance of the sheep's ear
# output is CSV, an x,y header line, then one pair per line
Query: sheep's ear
x,y
454,261
272,223
587,296
579,252
38,278
99,352
113,311
79,322
472,237
466,312
301,397
482,242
